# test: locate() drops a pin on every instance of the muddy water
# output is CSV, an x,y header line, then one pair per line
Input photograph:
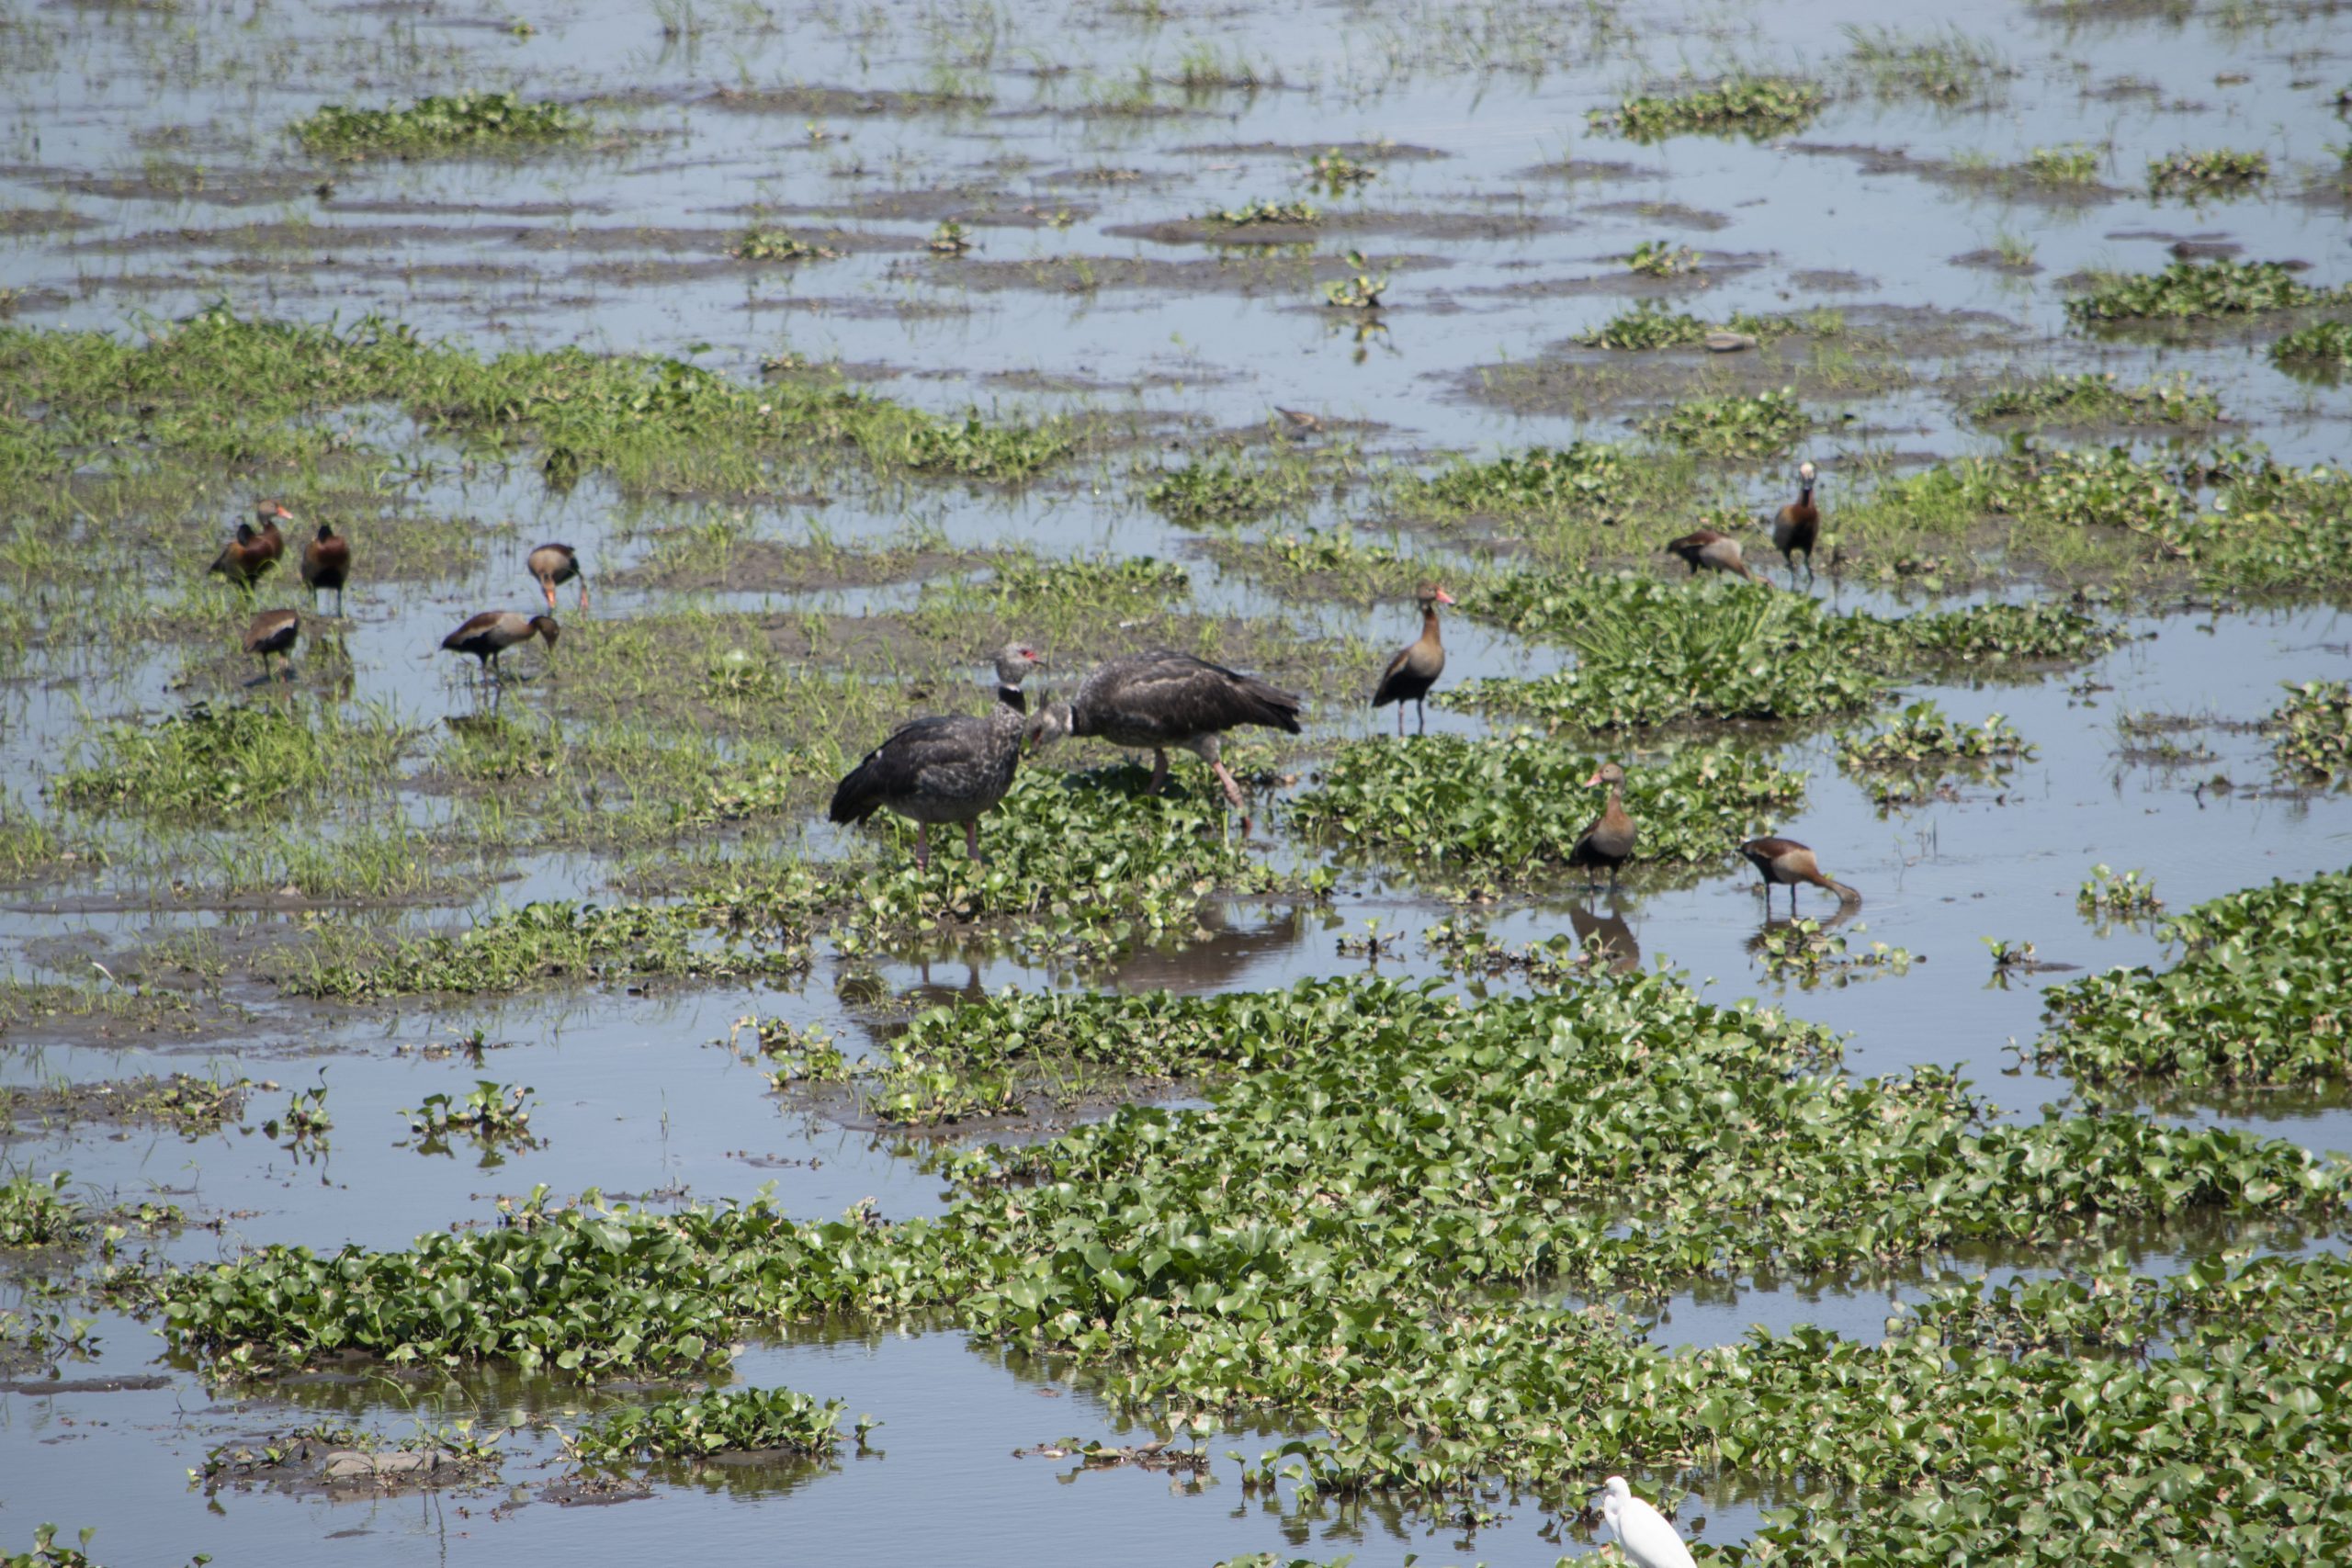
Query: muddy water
x,y
143,169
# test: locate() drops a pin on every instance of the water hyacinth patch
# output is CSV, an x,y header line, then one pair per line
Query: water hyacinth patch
x,y
1579,476
2262,995
1650,324
37,1212
460,122
1511,806
1923,733
1219,491
2191,290
1733,425
1255,212
2127,895
2311,732
1811,955
1754,107
2090,399
2222,172
751,1421
2323,347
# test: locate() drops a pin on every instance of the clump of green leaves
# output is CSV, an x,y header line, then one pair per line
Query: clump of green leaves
x,y
1662,258
1923,733
37,1212
2074,164
2119,895
2097,399
1735,425
1510,807
751,1421
2192,290
1804,952
1335,174
2323,346
1650,324
47,1553
461,122
950,239
207,760
1579,476
1221,489
306,1119
2311,732
2218,172
492,1114
778,245
1754,107
1359,290
2262,995
1255,212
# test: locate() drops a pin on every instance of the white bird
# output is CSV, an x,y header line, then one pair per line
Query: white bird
x,y
1648,1540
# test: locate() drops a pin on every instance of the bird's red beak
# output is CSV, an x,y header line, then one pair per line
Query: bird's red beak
x,y
1592,781
1444,597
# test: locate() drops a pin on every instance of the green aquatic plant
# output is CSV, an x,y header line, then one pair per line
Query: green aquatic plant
x,y
2125,895
2324,347
1650,324
1221,489
2311,732
2218,172
2074,164
2191,290
1735,425
1361,289
1256,212
37,1212
778,245
1579,476
1922,733
1509,807
1662,258
1335,174
46,1553
1754,107
750,1420
1805,953
208,760
2096,399
1947,68
440,126
2262,995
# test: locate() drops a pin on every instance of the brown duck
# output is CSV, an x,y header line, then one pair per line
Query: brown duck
x,y
273,631
243,558
492,632
1716,551
1784,863
552,564
326,563
1797,525
1415,668
1610,841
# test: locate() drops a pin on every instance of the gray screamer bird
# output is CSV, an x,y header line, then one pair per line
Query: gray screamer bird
x,y
1163,699
944,769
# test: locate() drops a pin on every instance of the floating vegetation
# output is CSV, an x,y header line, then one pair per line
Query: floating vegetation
x,y
1650,324
748,1420
1662,258
492,1113
208,760
1511,806
778,245
1922,733
1579,476
2070,165
1335,174
1361,289
1224,489
2262,995
1811,956
2191,291
1734,426
37,1212
950,239
2219,173
2097,399
461,122
191,1106
2311,732
2118,895
1754,107
1255,212
2323,346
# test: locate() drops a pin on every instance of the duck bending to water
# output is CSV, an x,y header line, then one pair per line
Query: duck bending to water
x,y
1797,525
1784,863
1164,699
1610,841
492,632
1716,551
944,769
552,564
1417,666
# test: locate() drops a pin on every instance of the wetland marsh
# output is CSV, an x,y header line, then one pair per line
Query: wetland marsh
x,y
442,1119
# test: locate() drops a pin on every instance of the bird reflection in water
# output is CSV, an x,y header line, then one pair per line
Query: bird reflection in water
x,y
1606,935
1825,924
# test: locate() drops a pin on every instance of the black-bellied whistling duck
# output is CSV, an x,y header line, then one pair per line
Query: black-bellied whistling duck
x,y
1415,668
1717,552
273,631
1164,698
492,632
1610,841
1013,662
552,564
1784,863
1797,525
944,770
326,563
243,558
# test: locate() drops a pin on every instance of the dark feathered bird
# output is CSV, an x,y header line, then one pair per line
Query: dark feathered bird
x,y
1797,525
243,558
273,631
1417,666
552,564
326,563
1610,841
1784,863
492,632
1164,699
1013,662
1717,552
943,770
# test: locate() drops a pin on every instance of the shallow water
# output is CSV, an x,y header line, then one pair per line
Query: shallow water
x,y
1496,263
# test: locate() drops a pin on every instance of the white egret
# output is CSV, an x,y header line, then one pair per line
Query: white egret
x,y
1648,1540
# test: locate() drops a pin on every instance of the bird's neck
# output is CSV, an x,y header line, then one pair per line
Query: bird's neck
x,y
1428,623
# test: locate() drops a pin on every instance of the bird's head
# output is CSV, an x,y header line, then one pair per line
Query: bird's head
x,y
1607,774
326,531
1015,660
1613,1493
268,512
1434,594
545,625
1049,726
1806,473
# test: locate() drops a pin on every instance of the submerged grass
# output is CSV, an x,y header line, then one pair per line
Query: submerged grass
x,y
2096,399
209,761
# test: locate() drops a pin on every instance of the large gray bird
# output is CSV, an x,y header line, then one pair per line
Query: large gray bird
x,y
944,769
1164,699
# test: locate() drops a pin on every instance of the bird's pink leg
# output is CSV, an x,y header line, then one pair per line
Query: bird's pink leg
x,y
1232,789
972,841
922,846
1158,771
